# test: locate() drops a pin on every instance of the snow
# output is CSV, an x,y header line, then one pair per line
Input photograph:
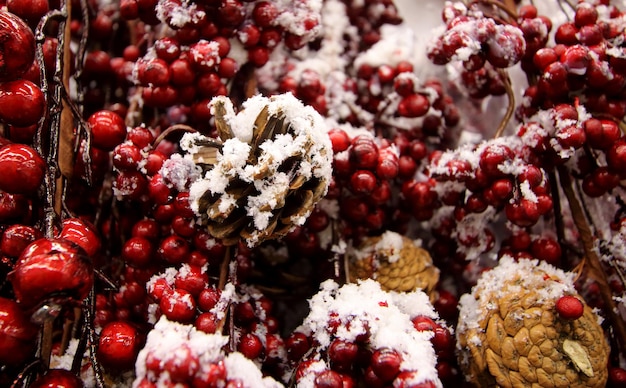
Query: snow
x,y
386,316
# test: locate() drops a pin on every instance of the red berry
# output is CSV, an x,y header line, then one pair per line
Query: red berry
x,y
82,234
413,105
386,363
107,129
51,266
17,237
328,379
17,47
22,169
179,306
17,334
174,249
118,346
58,378
250,346
138,251
569,307
22,103
342,354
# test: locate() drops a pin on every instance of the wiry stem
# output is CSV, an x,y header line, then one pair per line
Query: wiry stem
x,y
511,100
594,266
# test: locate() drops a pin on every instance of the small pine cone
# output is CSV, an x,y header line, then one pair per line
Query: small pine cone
x,y
271,164
510,334
396,262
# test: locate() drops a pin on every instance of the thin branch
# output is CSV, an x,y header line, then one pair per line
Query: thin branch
x,y
511,100
596,271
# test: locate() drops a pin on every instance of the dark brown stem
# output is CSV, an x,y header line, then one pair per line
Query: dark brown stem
x,y
25,374
172,129
596,271
558,215
505,6
91,335
511,101
224,277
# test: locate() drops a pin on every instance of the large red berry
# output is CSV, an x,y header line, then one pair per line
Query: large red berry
x,y
119,345
107,129
58,378
29,10
22,169
50,267
17,46
21,103
17,334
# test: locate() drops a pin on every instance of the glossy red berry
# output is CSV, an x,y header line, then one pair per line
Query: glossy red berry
x,y
58,378
17,46
250,346
118,346
138,251
50,267
179,306
17,334
22,103
328,379
569,307
22,169
386,363
342,354
17,237
107,129
82,234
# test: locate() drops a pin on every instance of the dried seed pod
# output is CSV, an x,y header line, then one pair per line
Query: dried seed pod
x,y
263,176
396,262
509,332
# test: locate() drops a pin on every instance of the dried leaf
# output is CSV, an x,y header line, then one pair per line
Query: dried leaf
x,y
579,357
224,130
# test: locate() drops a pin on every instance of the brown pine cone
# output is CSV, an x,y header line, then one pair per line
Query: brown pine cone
x,y
396,262
265,173
510,334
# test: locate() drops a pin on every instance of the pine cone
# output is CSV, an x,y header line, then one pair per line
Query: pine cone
x,y
265,173
510,335
396,262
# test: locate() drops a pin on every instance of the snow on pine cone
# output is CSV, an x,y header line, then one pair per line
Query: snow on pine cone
x,y
271,164
396,262
360,335
176,354
511,334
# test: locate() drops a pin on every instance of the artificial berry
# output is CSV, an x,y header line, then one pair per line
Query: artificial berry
x,y
17,50
22,103
118,346
569,307
17,334
58,378
107,129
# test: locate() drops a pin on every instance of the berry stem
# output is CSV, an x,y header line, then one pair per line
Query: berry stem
x,y
507,6
511,99
26,374
595,267
172,129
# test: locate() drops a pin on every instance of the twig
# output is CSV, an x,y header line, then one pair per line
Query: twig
x,y
172,129
22,378
511,107
594,265
558,214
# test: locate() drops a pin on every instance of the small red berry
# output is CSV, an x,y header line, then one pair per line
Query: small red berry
x,y
22,169
569,307
107,129
118,346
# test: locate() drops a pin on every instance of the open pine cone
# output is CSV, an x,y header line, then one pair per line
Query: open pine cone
x,y
263,176
396,262
510,333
